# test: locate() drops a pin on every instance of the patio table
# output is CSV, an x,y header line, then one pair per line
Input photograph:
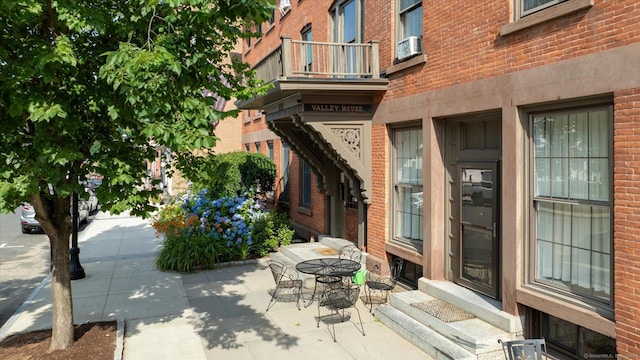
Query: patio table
x,y
327,268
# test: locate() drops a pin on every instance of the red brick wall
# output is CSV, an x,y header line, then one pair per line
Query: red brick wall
x,y
314,12
378,211
316,219
305,12
626,222
462,46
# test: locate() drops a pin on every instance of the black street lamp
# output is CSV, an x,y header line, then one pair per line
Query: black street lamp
x,y
77,272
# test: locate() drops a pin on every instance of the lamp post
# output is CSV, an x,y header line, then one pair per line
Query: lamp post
x,y
77,272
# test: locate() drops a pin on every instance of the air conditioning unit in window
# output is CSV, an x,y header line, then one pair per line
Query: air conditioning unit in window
x,y
284,6
409,47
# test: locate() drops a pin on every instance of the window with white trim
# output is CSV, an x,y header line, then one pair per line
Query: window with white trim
x,y
571,201
407,183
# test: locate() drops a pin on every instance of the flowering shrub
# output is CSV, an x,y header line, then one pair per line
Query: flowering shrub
x,y
224,229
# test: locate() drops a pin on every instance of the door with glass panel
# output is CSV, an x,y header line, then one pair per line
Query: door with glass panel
x,y
478,248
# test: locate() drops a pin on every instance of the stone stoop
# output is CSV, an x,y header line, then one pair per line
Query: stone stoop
x,y
421,335
481,306
469,327
472,338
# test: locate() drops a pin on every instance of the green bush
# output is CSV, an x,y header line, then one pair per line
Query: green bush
x,y
186,254
234,173
201,232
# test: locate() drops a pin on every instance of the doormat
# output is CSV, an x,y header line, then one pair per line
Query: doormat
x,y
327,251
443,311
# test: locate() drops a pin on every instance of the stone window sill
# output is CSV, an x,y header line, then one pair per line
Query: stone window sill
x,y
596,318
416,60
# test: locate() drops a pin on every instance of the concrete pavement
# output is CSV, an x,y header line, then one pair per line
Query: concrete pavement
x,y
214,314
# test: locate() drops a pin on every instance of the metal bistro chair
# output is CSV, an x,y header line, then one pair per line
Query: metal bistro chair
x,y
350,252
336,300
529,349
383,284
284,279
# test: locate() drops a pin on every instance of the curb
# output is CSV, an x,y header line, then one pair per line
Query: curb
x,y
4,330
118,352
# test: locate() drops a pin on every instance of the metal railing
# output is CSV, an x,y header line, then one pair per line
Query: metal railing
x,y
311,59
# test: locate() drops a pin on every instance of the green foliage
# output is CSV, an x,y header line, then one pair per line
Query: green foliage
x,y
95,87
234,173
272,231
202,232
186,254
86,87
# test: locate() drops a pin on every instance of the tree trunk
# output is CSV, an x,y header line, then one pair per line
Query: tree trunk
x,y
54,217
62,333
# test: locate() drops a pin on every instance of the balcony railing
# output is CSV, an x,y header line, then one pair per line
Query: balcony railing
x,y
311,59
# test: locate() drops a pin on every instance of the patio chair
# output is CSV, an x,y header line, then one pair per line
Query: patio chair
x,y
285,279
350,252
383,284
529,349
338,300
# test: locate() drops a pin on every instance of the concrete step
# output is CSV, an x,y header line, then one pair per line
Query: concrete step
x,y
483,307
428,340
474,335
475,338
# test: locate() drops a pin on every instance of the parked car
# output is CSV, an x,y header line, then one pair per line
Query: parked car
x,y
92,201
28,221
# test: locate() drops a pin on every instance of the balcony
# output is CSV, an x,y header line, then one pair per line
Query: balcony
x,y
321,103
299,66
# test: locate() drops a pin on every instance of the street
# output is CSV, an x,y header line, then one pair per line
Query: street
x,y
24,262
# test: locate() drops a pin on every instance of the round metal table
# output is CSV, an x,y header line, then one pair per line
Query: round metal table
x,y
328,266
327,271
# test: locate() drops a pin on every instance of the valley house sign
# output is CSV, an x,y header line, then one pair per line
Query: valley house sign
x,y
337,108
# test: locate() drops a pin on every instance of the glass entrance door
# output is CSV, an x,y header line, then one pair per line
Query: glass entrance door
x,y
479,253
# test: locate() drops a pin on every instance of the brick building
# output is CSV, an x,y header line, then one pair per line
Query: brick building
x,y
493,145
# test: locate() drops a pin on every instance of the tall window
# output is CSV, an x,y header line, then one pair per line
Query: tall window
x,y
305,185
248,39
572,204
531,6
407,163
270,149
272,19
347,16
410,18
284,196
257,147
308,53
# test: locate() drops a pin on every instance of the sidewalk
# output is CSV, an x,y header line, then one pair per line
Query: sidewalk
x,y
215,314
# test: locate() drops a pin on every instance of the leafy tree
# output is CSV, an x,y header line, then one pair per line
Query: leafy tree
x,y
92,86
232,173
